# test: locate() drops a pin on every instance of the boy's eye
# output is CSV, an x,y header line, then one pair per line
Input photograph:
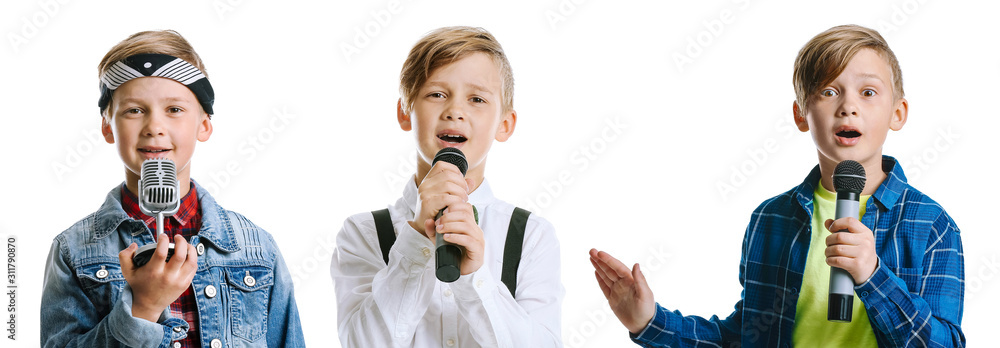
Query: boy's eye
x,y
477,100
436,95
133,111
828,93
174,110
868,93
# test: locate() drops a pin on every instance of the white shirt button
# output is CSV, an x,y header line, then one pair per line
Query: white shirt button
x,y
451,342
216,343
479,283
177,345
426,251
447,293
210,291
201,249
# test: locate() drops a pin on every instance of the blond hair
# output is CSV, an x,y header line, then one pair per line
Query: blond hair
x,y
167,42
824,57
444,46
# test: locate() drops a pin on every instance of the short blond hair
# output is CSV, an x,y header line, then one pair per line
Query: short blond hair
x,y
824,57
167,42
444,46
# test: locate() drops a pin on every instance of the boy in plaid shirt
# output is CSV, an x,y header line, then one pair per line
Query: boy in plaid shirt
x,y
904,255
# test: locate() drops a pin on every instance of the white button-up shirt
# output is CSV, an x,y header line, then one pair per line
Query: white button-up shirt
x,y
402,304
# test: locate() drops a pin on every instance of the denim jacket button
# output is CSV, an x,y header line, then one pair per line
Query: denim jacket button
x,y
248,280
178,329
101,273
216,343
210,291
201,249
177,344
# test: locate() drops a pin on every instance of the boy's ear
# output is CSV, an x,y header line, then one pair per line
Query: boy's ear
x,y
799,118
403,118
109,136
506,128
205,128
899,115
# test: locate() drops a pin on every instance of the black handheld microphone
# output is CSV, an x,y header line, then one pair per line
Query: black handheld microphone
x,y
159,195
849,180
448,256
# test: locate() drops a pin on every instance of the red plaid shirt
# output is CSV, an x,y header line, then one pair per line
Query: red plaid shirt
x,y
187,223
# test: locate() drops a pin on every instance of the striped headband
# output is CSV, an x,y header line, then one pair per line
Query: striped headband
x,y
159,65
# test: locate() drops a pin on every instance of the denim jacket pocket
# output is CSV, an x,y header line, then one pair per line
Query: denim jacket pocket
x,y
103,283
249,295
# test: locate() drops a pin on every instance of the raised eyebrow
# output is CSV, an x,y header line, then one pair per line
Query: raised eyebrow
x,y
871,77
435,84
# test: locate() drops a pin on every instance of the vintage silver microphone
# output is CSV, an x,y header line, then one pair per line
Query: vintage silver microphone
x,y
159,196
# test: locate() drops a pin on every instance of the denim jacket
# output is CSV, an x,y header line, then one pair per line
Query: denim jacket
x,y
242,286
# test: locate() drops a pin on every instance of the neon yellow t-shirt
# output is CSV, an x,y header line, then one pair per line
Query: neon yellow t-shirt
x,y
811,327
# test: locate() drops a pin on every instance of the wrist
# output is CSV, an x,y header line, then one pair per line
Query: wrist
x,y
873,269
146,312
419,227
640,325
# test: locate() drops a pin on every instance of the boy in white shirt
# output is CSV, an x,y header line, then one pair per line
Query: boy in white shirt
x,y
456,90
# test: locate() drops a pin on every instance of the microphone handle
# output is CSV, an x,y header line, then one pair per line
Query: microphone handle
x,y
159,231
448,256
159,225
841,301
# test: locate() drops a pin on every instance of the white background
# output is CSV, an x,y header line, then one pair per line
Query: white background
x,y
647,189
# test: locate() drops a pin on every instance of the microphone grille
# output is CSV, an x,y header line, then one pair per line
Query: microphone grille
x,y
849,176
453,156
158,186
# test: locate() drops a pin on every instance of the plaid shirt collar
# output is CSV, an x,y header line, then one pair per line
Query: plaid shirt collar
x,y
886,196
188,207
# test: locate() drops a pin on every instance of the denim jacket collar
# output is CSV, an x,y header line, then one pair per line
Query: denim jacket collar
x,y
215,224
886,196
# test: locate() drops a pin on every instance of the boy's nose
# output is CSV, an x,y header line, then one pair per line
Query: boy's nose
x,y
848,108
154,126
454,112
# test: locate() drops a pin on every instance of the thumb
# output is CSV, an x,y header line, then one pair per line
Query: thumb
x,y
125,256
642,288
430,229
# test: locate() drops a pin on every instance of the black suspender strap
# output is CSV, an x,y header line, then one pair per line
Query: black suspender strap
x,y
386,235
512,248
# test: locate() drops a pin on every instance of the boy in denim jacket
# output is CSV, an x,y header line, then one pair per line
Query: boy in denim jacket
x,y
226,283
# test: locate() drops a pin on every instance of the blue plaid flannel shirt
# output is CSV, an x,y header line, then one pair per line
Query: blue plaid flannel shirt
x,y
914,298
